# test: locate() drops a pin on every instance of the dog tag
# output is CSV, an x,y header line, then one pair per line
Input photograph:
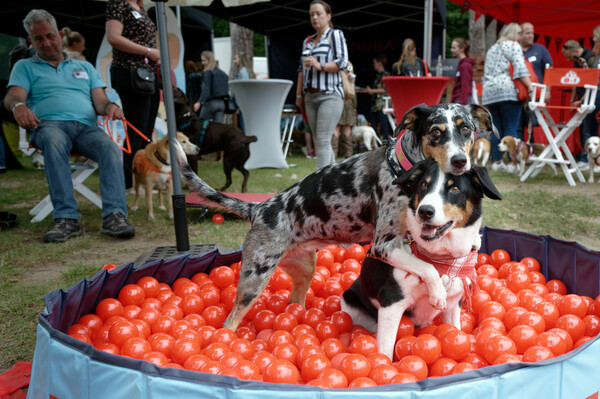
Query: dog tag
x,y
136,14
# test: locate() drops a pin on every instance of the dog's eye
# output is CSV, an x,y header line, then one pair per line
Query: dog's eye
x,y
454,189
424,185
436,132
465,129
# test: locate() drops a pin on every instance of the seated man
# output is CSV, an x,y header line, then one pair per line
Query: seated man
x,y
57,98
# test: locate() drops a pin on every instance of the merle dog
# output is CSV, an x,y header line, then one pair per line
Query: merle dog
x,y
216,137
354,200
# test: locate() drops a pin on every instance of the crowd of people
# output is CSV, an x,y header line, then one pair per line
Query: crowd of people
x,y
327,107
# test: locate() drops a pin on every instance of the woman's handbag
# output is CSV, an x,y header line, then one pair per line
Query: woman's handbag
x,y
230,105
143,81
520,87
348,82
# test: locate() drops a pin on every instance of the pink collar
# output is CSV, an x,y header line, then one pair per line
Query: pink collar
x,y
404,162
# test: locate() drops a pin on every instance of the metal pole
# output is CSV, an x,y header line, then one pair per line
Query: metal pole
x,y
179,214
427,30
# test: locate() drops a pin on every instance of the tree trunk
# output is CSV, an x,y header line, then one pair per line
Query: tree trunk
x,y
242,43
477,41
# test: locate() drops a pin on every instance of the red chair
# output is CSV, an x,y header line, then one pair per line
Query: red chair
x,y
557,134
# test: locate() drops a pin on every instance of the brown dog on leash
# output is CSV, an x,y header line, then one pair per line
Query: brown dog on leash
x,y
152,168
522,152
213,137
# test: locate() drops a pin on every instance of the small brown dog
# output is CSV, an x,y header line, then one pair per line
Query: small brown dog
x,y
481,151
522,152
152,168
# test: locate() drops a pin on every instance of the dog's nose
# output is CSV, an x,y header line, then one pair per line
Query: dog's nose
x,y
458,161
426,212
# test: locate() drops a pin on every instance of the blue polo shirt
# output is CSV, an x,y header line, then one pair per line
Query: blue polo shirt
x,y
58,94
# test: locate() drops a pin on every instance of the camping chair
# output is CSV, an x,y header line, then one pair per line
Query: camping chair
x,y
81,171
289,114
388,109
557,134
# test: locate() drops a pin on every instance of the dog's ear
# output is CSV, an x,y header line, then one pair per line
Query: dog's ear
x,y
484,183
484,118
413,119
408,181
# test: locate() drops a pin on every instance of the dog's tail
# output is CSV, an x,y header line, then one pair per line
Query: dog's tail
x,y
249,139
197,185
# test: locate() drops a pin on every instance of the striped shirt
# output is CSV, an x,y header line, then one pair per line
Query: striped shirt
x,y
331,48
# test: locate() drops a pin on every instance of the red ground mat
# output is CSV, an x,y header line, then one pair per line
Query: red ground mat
x,y
13,380
194,199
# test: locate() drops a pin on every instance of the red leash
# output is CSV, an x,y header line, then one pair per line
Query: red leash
x,y
104,122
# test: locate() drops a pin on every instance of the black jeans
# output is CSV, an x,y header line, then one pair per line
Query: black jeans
x,y
140,110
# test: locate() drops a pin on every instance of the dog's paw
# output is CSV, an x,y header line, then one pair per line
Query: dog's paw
x,y
162,208
134,208
437,298
151,218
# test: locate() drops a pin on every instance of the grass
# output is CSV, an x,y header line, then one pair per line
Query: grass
x,y
30,269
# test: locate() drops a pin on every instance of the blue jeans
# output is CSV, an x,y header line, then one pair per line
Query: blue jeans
x,y
57,140
213,110
506,116
323,111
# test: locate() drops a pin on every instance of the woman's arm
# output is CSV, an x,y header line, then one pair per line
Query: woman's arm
x,y
114,36
299,86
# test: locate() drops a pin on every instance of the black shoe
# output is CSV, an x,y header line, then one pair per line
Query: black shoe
x,y
115,225
61,230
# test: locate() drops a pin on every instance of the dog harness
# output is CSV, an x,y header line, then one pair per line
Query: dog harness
x,y
463,268
596,160
143,165
520,147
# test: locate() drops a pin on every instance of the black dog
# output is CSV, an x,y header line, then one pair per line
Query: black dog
x,y
350,201
216,137
443,219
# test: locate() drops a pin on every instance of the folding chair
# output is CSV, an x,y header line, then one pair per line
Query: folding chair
x,y
81,171
289,114
388,109
557,134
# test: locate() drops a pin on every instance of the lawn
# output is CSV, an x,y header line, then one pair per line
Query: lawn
x,y
29,269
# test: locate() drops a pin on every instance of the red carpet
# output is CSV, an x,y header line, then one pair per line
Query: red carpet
x,y
13,380
194,199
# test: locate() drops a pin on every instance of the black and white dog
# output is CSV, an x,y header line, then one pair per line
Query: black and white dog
x,y
442,221
350,201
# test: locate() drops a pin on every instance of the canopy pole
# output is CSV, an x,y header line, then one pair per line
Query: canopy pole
x,y
427,30
179,210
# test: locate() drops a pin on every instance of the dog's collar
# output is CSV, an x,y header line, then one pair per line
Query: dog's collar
x,y
160,158
396,158
185,125
596,159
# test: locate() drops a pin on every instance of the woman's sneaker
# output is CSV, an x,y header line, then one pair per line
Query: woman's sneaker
x,y
62,229
115,225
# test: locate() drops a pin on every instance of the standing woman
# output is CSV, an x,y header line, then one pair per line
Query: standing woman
x,y
377,117
409,64
74,43
463,83
324,54
499,94
215,88
132,34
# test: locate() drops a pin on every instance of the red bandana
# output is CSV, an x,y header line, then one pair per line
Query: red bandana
x,y
462,268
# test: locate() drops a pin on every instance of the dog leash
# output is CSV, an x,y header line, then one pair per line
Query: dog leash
x,y
104,123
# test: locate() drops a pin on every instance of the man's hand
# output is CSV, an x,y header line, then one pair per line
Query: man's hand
x,y
113,111
25,117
